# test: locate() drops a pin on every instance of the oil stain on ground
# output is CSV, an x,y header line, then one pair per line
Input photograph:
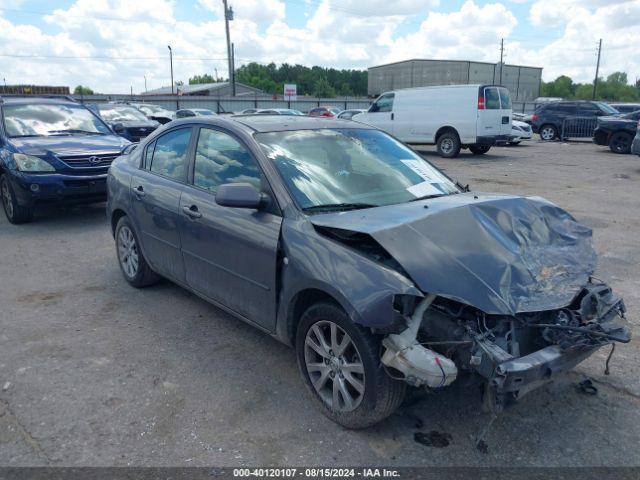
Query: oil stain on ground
x,y
433,439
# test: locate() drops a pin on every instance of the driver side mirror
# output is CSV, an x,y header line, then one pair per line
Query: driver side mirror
x,y
239,195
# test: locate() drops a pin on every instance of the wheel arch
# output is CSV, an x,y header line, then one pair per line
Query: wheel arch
x,y
446,129
300,302
116,215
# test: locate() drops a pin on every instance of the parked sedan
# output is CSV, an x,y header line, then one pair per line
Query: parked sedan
x,y
52,151
519,131
126,121
194,112
279,111
626,107
324,112
339,240
154,112
348,114
617,132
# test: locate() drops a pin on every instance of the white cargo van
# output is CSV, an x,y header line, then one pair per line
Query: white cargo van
x,y
451,117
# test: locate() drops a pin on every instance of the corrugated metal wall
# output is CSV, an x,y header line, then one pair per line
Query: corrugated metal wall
x,y
522,82
229,104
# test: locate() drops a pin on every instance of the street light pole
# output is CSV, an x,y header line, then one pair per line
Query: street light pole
x,y
171,63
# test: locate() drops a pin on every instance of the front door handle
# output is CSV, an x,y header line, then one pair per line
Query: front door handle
x,y
139,191
192,211
392,116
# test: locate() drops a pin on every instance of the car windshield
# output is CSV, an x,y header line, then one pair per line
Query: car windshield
x,y
607,108
120,113
47,119
333,169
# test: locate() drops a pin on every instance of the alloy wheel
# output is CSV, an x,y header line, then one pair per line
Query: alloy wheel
x,y
548,133
334,366
7,200
128,252
620,144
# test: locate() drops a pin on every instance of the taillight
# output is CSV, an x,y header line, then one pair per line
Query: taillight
x,y
534,118
480,101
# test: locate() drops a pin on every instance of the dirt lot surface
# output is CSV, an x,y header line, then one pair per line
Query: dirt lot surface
x,y
94,372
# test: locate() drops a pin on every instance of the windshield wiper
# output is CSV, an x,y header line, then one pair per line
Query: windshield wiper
x,y
74,130
338,206
433,195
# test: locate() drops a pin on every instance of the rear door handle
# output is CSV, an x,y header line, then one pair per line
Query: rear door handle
x,y
192,211
139,191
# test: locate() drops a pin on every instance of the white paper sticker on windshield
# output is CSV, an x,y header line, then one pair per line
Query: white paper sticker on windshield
x,y
423,189
424,170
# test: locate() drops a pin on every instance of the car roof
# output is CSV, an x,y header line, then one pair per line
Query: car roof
x,y
8,100
275,123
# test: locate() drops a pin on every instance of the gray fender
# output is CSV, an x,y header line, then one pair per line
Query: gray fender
x,y
363,287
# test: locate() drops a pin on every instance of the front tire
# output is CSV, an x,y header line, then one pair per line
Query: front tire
x,y
15,213
620,143
449,145
133,265
479,149
340,364
548,133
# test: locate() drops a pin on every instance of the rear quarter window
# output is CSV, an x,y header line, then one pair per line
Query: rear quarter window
x,y
491,98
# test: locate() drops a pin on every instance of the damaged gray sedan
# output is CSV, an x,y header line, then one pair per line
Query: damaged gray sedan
x,y
381,271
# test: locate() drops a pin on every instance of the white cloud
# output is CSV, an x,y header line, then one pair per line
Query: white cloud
x,y
342,34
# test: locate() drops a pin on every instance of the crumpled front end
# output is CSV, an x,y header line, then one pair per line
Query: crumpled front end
x,y
514,354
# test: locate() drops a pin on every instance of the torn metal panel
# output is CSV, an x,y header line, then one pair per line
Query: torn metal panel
x,y
502,254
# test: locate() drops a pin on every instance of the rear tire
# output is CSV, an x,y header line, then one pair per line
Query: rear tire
x,y
449,145
14,212
620,142
133,265
479,149
344,363
548,133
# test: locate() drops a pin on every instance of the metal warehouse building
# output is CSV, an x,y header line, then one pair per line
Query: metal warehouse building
x,y
522,82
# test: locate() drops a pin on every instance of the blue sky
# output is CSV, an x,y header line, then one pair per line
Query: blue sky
x,y
112,45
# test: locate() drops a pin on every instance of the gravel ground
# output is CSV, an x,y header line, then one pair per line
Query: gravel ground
x,y
93,372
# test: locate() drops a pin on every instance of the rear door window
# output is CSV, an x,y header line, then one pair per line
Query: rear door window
x,y
170,154
383,104
491,98
505,98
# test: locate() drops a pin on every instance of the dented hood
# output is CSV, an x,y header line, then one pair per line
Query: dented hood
x,y
502,254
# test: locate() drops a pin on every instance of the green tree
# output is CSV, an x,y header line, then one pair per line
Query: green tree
x,y
204,78
81,90
322,88
562,87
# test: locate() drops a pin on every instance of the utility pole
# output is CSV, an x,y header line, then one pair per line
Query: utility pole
x,y
595,80
233,69
171,63
145,84
228,15
501,58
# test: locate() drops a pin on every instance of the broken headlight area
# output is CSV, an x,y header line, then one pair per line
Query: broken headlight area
x,y
513,354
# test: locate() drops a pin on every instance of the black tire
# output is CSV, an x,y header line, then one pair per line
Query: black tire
x,y
548,132
15,213
620,142
143,276
382,395
448,145
479,149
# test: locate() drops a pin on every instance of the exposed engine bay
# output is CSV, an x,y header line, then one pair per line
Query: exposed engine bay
x,y
514,354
